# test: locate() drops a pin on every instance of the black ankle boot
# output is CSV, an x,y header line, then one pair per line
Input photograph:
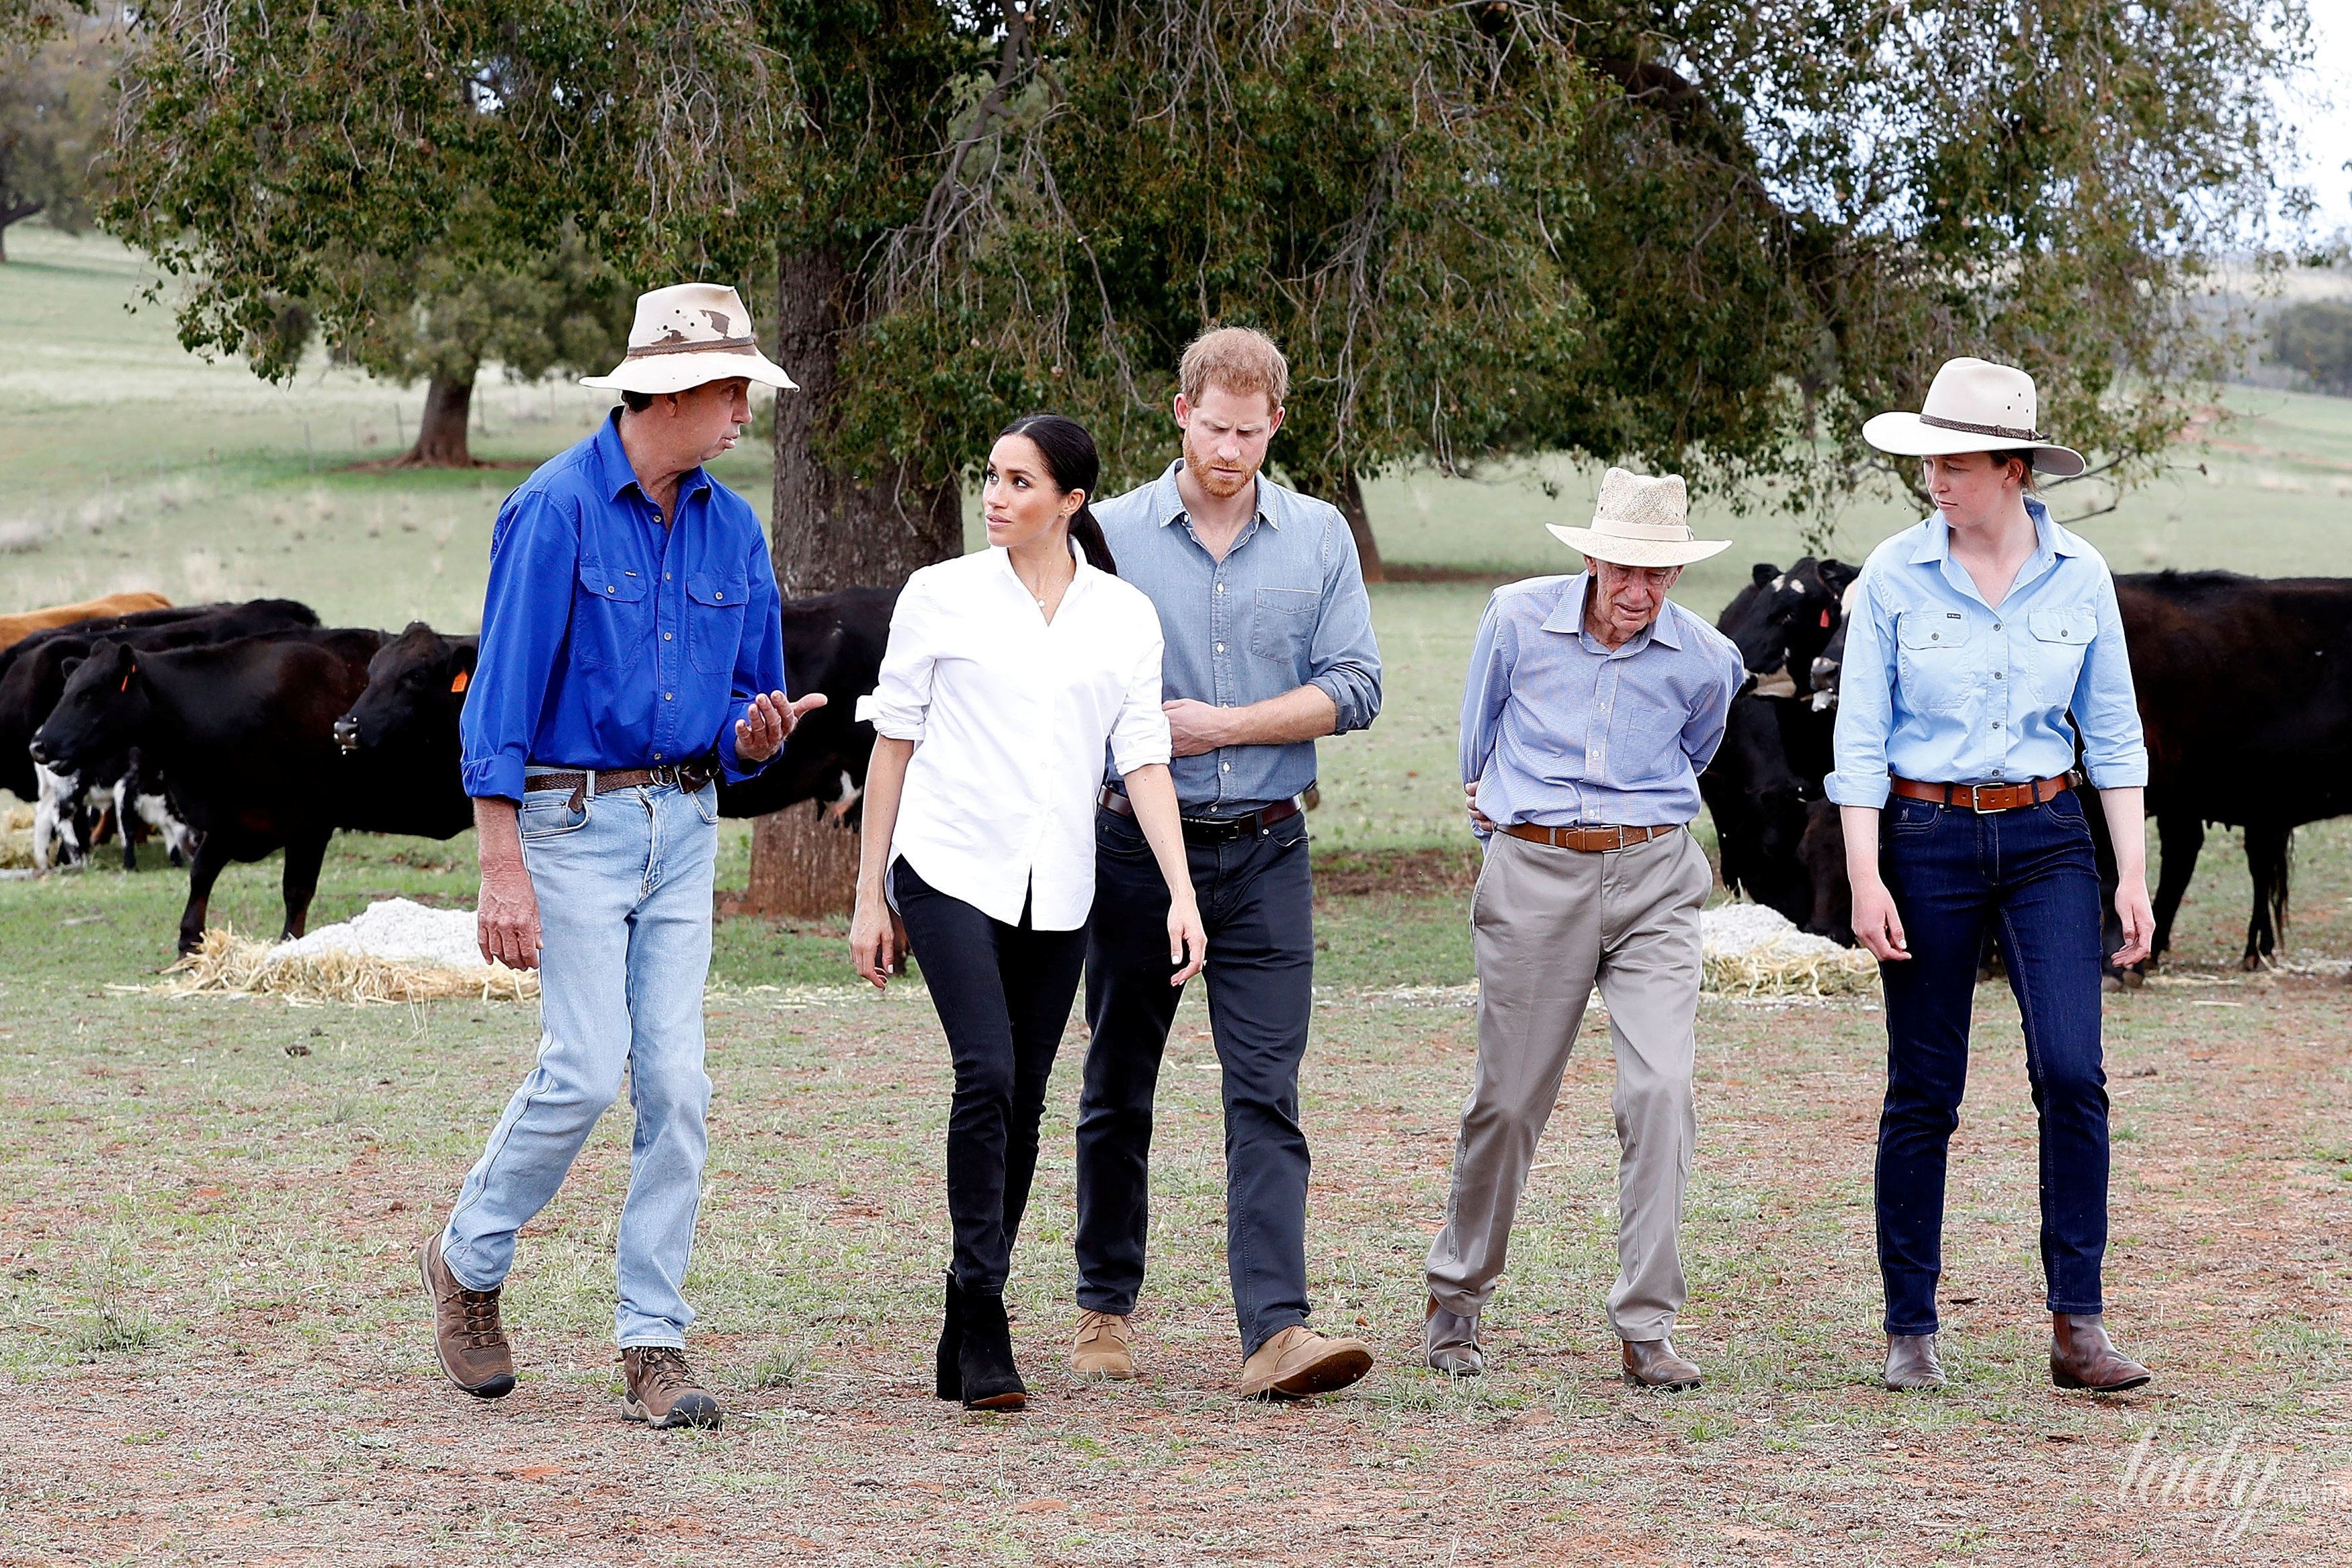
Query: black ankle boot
x,y
947,1376
990,1381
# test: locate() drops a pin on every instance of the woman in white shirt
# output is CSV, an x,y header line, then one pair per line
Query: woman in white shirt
x,y
1008,674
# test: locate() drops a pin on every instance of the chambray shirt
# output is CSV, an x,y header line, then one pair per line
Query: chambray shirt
x,y
1560,730
610,640
1940,686
1285,608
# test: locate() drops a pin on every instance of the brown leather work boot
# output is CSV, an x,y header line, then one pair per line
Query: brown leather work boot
x,y
1654,1363
1298,1362
1104,1347
2082,1356
661,1389
466,1334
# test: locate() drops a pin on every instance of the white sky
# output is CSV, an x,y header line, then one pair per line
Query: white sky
x,y
2327,127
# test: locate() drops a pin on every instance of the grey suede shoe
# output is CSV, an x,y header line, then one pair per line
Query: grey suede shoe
x,y
1911,1361
1450,1343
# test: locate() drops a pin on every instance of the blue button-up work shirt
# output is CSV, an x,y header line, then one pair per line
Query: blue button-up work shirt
x,y
1940,686
1285,608
611,641
1560,730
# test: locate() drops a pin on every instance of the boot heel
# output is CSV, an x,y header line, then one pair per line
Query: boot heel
x,y
947,1369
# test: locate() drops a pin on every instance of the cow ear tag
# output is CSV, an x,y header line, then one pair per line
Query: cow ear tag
x,y
459,683
126,683
1825,619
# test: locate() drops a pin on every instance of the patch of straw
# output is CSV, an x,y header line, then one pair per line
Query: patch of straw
x,y
1770,971
230,965
16,837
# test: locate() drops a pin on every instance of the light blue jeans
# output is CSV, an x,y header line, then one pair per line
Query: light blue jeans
x,y
624,888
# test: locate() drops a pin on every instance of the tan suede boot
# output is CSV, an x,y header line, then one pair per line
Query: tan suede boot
x,y
1298,1362
1104,1347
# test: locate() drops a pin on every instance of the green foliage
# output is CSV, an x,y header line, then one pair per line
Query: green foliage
x,y
2315,338
56,100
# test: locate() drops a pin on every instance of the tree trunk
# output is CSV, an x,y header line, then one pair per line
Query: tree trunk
x,y
830,531
1348,496
441,429
13,212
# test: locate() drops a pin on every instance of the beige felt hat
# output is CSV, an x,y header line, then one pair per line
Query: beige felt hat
x,y
1641,521
688,334
1975,405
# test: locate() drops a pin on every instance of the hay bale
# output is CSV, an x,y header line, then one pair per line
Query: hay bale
x,y
230,965
1748,950
16,837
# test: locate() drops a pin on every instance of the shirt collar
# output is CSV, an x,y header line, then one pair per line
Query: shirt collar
x,y
1568,618
616,475
1936,542
1167,502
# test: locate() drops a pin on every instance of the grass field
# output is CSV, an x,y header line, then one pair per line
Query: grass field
x,y
208,1208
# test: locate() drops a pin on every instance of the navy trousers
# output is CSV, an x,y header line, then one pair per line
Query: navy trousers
x,y
1004,994
1258,900
2028,875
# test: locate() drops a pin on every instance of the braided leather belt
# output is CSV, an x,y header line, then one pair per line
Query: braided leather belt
x,y
1213,830
1984,798
1592,841
689,777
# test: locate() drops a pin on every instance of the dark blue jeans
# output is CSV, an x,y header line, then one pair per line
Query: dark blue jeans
x,y
2028,874
1004,994
1258,900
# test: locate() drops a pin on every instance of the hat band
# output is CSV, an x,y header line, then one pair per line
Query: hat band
x,y
714,346
2006,432
1616,528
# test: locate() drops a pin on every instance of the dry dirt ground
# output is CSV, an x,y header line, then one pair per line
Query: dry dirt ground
x,y
216,1340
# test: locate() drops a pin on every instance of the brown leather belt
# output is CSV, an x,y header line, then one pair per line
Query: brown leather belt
x,y
1213,830
1984,798
1592,841
689,777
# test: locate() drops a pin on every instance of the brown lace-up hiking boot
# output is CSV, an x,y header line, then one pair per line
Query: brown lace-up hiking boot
x,y
466,1334
662,1391
1105,1346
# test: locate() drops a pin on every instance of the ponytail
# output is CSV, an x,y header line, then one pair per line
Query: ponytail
x,y
1069,452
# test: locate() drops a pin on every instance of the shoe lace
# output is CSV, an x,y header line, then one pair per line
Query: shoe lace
x,y
482,1328
1094,1325
665,1368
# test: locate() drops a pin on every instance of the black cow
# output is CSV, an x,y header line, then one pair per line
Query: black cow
x,y
1782,620
833,643
244,732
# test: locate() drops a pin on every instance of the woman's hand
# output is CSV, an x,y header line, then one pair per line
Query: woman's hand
x,y
2138,919
878,940
1188,939
1875,924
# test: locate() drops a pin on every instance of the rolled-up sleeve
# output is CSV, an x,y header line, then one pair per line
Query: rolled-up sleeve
x,y
1483,694
901,700
1865,714
1139,737
526,615
2107,708
1703,734
1345,660
759,660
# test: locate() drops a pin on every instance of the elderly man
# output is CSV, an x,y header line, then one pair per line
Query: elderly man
x,y
632,653
1269,646
1593,704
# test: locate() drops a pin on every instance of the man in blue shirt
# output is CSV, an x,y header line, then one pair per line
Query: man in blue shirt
x,y
632,652
1593,704
1268,645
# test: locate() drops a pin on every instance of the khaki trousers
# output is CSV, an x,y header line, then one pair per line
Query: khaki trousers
x,y
1547,925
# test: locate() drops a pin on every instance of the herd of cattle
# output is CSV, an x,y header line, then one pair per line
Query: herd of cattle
x,y
236,731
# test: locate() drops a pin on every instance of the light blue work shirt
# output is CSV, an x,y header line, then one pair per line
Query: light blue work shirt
x,y
1560,730
1285,608
1940,686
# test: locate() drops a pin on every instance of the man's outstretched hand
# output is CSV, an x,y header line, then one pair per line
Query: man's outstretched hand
x,y
760,733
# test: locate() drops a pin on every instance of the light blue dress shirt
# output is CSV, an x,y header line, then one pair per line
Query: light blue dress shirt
x,y
1559,731
1940,686
1285,608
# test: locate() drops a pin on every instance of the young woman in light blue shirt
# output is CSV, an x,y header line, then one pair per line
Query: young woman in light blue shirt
x,y
1982,646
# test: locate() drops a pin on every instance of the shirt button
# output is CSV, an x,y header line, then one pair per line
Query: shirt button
x,y
2000,675
1221,587
1226,766
666,637
1996,625
716,596
610,589
1221,647
656,756
1996,724
664,577
666,695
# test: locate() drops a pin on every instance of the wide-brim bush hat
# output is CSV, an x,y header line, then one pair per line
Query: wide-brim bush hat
x,y
688,334
1640,521
1975,405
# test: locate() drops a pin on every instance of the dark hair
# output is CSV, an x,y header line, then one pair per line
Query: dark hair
x,y
636,401
1071,459
2019,454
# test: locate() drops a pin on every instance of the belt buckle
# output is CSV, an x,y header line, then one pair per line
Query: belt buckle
x,y
1976,794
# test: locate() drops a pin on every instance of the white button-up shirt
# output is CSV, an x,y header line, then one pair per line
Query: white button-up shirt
x,y
1009,715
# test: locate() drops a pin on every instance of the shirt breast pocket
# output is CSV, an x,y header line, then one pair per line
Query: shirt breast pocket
x,y
609,617
1283,625
2059,639
714,619
1937,666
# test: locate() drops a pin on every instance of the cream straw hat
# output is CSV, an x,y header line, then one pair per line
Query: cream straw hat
x,y
1641,521
1975,405
688,334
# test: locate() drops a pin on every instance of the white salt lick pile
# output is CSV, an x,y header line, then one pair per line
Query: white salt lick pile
x,y
396,931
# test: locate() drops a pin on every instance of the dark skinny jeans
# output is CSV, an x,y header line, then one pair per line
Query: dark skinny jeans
x,y
2030,875
1004,994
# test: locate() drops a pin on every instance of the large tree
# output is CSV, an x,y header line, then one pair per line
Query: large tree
x,y
56,104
